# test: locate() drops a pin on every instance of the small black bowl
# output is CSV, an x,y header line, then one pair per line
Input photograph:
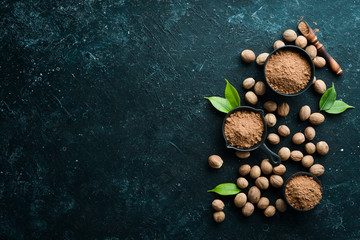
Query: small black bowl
x,y
297,174
305,55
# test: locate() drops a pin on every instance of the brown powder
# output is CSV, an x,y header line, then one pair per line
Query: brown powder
x,y
243,129
303,192
287,71
303,28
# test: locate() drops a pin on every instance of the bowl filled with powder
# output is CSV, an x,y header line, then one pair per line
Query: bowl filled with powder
x,y
289,70
245,129
302,191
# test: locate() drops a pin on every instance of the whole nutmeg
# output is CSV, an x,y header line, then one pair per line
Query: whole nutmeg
x,y
278,43
269,211
248,209
310,148
248,56
283,109
218,205
298,138
316,118
260,88
262,183
240,200
320,87
254,194
273,138
279,170
251,98
307,161
289,35
266,167
248,83
304,113
276,181
311,50
215,161
242,155
270,106
322,148
280,205
242,183
219,216
283,130
309,133
284,153
244,169
296,156
263,203
270,119
255,172
319,62
260,60
314,80
317,170
301,41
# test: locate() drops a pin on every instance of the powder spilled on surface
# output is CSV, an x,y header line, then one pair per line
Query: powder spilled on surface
x,y
243,129
303,192
287,71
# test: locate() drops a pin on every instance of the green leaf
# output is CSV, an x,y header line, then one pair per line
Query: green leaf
x,y
232,95
338,107
328,99
226,189
221,104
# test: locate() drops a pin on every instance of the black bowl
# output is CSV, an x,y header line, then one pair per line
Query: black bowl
x,y
305,55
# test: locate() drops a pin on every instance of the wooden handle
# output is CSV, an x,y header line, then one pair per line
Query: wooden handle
x,y
335,67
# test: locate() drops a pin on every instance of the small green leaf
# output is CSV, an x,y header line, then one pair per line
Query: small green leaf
x,y
338,107
328,99
232,95
221,104
226,189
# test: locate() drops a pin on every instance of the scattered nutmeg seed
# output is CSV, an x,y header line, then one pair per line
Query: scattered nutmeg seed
x,y
270,106
298,138
248,209
296,156
218,205
314,80
260,60
284,153
270,119
248,56
215,161
273,138
283,130
254,194
301,41
311,50
317,170
260,88
289,35
269,211
244,169
240,200
242,183
304,113
266,167
320,87
219,216
307,161
310,148
322,148
251,98
248,83
283,109
316,118
280,205
279,170
263,203
242,155
255,172
278,43
276,181
319,62
262,183
309,133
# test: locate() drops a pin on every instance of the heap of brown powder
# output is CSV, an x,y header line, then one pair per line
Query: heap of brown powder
x,y
243,129
287,71
303,192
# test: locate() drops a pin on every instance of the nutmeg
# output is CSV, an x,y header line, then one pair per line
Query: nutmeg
x,y
270,106
244,169
240,200
248,56
317,170
260,88
307,161
278,43
276,181
309,133
215,161
262,183
301,41
255,172
248,209
284,153
283,109
280,205
219,216
260,60
251,98
254,194
322,148
296,156
320,86
242,183
289,35
310,148
270,119
279,170
311,50
248,83
304,112
316,118
242,155
314,80
319,62
273,138
263,203
283,130
269,211
266,167
218,205
298,138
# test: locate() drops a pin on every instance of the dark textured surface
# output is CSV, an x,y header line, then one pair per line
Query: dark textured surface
x,y
105,133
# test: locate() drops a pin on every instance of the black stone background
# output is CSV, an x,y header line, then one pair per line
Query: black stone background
x,y
105,134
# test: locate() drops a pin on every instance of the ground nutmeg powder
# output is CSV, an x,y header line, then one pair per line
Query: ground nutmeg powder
x,y
243,129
